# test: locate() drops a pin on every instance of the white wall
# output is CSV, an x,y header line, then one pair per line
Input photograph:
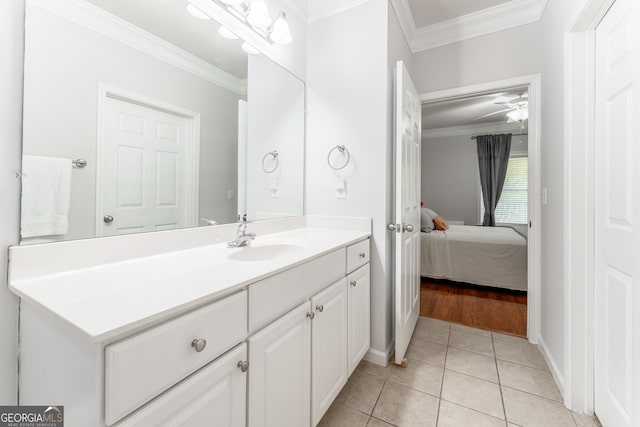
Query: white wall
x,y
64,64
347,98
533,48
275,123
450,177
11,48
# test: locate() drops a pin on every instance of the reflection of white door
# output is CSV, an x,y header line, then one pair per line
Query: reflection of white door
x,y
407,213
143,176
617,221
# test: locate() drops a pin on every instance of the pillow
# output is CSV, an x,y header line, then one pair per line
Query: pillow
x,y
426,220
440,223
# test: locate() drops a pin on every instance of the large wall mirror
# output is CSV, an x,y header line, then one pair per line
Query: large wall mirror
x,y
140,117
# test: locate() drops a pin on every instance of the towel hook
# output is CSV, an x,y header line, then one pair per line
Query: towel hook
x,y
342,149
273,154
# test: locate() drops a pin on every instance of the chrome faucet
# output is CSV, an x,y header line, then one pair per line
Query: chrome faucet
x,y
242,237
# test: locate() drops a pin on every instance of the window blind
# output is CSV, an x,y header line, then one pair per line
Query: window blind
x,y
513,204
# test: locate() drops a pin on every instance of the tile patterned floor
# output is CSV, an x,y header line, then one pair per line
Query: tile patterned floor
x,y
456,377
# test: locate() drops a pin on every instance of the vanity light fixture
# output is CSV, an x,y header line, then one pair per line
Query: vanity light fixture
x,y
258,14
255,15
280,33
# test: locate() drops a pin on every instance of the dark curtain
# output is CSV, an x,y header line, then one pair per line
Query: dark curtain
x,y
493,158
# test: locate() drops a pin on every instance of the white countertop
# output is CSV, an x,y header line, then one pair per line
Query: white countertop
x,y
106,301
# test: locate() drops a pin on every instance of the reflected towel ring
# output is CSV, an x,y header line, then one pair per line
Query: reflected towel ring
x,y
273,154
342,149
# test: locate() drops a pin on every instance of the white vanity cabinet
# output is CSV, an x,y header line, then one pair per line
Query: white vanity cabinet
x,y
280,371
300,362
215,396
329,354
273,346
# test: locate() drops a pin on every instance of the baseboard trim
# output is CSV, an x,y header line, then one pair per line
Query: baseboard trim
x,y
553,367
379,357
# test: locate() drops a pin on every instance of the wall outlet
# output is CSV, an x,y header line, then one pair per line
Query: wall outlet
x,y
230,194
544,196
341,188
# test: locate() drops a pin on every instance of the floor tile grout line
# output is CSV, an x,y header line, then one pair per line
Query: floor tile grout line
x,y
495,360
472,409
444,370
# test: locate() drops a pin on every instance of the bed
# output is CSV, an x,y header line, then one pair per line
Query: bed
x,y
487,256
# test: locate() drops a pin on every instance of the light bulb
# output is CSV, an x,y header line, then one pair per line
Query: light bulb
x,y
280,33
258,14
196,13
224,32
518,114
249,49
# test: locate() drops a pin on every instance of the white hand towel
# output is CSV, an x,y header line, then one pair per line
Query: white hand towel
x,y
46,193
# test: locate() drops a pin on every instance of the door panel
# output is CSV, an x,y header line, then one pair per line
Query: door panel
x,y
329,347
407,211
617,240
143,178
280,372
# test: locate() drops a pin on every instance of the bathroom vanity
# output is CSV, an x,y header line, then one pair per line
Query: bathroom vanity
x,y
124,334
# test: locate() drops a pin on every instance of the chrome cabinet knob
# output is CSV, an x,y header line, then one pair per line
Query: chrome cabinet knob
x,y
353,283
311,315
407,227
320,308
199,344
391,227
107,219
243,365
362,255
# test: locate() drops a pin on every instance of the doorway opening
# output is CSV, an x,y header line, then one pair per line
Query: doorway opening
x,y
482,276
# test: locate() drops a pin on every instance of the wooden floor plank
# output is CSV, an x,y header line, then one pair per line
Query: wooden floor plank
x,y
477,306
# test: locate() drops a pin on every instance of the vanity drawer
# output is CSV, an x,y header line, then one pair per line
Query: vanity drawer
x,y
277,294
141,367
357,255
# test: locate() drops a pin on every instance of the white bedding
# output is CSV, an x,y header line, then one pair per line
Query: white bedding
x,y
488,256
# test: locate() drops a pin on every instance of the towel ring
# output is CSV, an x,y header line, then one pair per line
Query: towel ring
x,y
273,154
342,149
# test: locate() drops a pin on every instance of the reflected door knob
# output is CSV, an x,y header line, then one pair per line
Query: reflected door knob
x,y
108,219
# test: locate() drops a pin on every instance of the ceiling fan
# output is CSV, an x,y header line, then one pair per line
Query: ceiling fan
x,y
517,109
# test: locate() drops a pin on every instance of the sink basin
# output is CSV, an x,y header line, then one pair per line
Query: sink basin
x,y
266,251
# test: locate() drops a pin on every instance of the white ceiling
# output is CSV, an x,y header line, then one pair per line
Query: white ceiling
x,y
169,20
428,12
467,111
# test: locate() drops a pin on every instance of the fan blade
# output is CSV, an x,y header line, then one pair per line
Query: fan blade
x,y
495,112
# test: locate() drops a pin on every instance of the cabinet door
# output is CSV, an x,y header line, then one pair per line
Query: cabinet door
x,y
280,371
359,316
328,348
214,396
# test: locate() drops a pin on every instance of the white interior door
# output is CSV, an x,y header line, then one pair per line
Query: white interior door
x,y
407,210
143,177
617,244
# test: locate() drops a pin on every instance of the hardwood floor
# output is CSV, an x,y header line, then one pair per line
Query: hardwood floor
x,y
476,306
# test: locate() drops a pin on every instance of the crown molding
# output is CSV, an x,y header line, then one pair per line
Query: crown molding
x,y
330,12
473,129
497,18
92,17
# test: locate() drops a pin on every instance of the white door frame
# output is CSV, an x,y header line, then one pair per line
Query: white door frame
x,y
579,206
533,81
192,148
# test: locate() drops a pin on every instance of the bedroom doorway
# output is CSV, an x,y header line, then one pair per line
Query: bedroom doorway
x,y
478,276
